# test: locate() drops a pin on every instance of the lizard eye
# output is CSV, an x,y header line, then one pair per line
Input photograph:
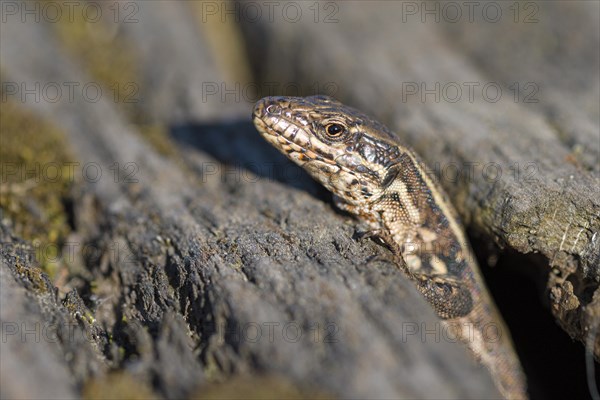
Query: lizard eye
x,y
335,130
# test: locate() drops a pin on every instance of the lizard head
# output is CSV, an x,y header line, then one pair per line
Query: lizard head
x,y
351,154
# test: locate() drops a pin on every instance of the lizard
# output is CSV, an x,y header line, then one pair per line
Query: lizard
x,y
387,186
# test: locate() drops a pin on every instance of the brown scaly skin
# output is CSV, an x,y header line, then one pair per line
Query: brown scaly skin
x,y
385,184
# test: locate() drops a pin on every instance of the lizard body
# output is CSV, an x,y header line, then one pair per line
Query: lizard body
x,y
386,185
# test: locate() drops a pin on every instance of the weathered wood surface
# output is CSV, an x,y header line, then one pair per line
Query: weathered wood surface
x,y
169,271
190,275
522,167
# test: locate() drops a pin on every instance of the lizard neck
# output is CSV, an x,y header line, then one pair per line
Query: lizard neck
x,y
417,217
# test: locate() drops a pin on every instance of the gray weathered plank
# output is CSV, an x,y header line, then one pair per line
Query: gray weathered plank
x,y
190,264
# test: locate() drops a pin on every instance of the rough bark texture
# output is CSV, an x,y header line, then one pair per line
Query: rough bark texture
x,y
215,268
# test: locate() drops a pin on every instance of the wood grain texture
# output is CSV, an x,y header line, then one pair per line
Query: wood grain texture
x,y
217,232
204,270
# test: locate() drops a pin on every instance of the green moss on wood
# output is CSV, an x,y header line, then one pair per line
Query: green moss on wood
x,y
38,171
